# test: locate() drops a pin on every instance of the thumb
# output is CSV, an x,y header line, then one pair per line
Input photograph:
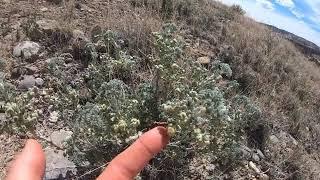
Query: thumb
x,y
29,164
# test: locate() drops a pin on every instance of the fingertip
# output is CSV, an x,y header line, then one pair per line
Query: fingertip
x,y
29,164
130,162
156,139
32,145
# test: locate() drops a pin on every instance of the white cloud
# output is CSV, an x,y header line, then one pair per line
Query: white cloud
x,y
266,4
286,3
315,14
314,5
291,6
261,13
297,13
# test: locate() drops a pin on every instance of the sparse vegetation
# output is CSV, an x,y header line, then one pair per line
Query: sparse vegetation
x,y
254,93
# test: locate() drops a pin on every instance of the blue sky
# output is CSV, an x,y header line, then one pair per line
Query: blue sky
x,y
301,17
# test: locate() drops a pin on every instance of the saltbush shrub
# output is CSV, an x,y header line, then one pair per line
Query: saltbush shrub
x,y
185,95
204,114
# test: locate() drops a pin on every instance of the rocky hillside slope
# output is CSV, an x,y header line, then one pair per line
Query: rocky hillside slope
x,y
86,78
306,46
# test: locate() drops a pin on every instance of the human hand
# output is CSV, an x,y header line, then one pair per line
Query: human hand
x,y
30,163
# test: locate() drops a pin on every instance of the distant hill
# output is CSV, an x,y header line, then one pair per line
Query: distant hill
x,y
305,45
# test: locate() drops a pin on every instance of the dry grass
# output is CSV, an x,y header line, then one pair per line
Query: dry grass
x,y
285,84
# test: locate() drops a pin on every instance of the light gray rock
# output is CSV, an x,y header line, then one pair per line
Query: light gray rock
x,y
43,9
2,103
263,177
245,151
294,141
47,25
287,138
31,69
273,139
57,166
39,82
59,138
54,60
78,34
255,157
54,116
254,167
26,49
204,60
2,75
260,154
27,83
2,116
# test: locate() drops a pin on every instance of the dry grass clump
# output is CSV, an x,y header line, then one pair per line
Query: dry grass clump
x,y
278,76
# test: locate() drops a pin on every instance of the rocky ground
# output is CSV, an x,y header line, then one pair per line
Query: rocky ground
x,y
28,61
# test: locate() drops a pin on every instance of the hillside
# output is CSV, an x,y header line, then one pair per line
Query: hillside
x,y
306,46
87,78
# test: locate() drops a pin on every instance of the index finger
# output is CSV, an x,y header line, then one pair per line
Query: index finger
x,y
29,164
130,162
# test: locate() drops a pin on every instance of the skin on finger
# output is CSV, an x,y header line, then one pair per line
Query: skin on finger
x,y
130,162
29,164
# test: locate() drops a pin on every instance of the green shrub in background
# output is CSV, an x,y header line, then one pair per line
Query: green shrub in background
x,y
18,108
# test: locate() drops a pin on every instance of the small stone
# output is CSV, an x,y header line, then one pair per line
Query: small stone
x,y
254,167
59,138
58,166
44,9
263,177
54,116
204,60
2,116
255,157
39,82
273,139
47,25
246,152
31,69
78,34
260,154
294,141
289,151
27,83
2,75
26,49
